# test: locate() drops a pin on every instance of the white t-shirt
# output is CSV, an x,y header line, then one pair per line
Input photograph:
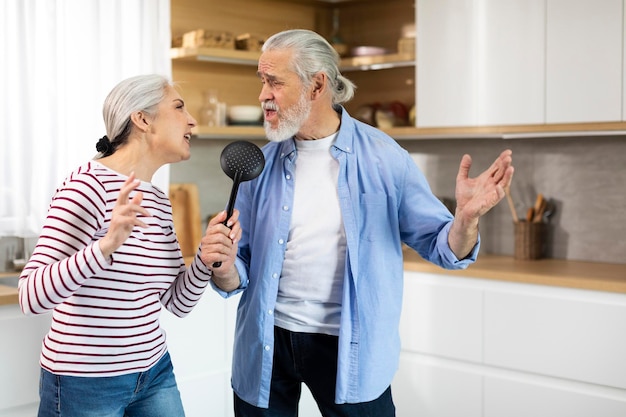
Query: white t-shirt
x,y
311,284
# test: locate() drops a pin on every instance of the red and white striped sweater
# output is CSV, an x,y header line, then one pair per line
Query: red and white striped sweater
x,y
105,318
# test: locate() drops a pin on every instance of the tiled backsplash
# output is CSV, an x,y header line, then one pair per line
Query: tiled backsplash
x,y
585,176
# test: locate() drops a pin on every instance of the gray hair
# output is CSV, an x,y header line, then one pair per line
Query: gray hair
x,y
313,54
139,93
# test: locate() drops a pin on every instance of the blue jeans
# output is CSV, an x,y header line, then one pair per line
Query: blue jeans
x,y
310,358
142,394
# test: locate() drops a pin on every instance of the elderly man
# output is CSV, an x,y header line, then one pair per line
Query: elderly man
x,y
320,258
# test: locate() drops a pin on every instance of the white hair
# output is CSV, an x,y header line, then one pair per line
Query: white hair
x,y
313,54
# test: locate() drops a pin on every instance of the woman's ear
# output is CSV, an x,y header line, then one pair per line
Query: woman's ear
x,y
140,120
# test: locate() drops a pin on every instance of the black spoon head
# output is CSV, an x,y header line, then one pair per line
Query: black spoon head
x,y
242,157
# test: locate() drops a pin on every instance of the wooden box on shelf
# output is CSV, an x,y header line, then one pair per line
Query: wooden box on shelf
x,y
209,38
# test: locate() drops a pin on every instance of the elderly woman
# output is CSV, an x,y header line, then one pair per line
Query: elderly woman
x,y
108,259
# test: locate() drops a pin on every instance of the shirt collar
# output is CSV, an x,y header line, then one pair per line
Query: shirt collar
x,y
344,142
345,138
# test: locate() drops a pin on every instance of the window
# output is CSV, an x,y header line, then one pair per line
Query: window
x,y
59,59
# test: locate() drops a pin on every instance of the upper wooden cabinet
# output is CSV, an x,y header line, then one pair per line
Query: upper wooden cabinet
x,y
520,63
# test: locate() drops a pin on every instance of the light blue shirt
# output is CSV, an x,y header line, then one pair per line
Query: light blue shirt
x,y
385,201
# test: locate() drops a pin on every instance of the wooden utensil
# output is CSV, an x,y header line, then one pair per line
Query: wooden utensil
x,y
509,199
538,218
186,214
538,208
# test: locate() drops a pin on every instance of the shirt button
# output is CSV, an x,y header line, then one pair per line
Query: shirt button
x,y
274,275
280,241
266,347
288,176
285,208
270,312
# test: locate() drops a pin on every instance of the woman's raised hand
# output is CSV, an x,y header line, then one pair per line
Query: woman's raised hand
x,y
124,217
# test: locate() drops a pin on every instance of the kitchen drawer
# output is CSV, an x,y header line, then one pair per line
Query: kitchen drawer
x,y
574,336
441,319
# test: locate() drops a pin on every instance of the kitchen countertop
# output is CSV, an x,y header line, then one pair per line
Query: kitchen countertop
x,y
8,294
554,272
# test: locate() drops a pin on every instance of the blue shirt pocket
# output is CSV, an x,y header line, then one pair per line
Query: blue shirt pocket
x,y
375,220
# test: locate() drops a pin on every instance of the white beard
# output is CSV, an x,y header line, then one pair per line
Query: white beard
x,y
289,122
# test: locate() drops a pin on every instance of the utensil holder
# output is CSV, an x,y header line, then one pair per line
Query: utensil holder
x,y
530,240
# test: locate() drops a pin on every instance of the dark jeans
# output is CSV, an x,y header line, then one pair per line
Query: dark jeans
x,y
312,359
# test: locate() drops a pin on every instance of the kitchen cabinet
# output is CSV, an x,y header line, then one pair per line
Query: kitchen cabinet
x,y
510,77
445,76
509,349
520,66
480,64
584,73
20,348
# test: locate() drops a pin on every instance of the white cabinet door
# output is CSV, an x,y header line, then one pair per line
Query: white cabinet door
x,y
624,70
446,85
515,398
584,61
426,388
480,63
440,319
510,60
561,334
201,348
19,350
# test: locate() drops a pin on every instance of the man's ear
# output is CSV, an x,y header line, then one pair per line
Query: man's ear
x,y
318,85
140,120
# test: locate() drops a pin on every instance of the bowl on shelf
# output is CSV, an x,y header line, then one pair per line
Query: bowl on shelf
x,y
368,51
245,115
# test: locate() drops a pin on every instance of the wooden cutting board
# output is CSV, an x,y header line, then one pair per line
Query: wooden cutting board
x,y
186,214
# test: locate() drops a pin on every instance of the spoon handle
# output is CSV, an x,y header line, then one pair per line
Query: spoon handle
x,y
231,205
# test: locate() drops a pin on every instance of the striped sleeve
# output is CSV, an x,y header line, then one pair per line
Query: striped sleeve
x,y
65,255
188,288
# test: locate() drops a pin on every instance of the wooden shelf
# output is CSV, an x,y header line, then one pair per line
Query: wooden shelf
x,y
470,132
224,56
377,62
237,57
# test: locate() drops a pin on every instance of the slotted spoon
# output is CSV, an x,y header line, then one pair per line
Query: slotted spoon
x,y
241,161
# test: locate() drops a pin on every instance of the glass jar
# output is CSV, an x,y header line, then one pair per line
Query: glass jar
x,y
210,110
